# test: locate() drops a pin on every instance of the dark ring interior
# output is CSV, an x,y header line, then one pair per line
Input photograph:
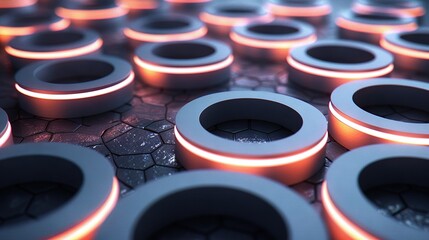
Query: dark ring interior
x,y
167,24
376,17
235,109
29,20
210,201
45,39
419,38
392,95
39,168
77,71
238,10
340,54
184,50
273,29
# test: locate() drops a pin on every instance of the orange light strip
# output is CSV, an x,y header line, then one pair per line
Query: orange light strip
x,y
98,14
187,1
6,135
138,4
403,51
23,31
90,224
376,29
230,21
353,231
414,12
287,11
139,36
271,44
57,54
73,96
184,70
376,133
16,3
263,162
335,74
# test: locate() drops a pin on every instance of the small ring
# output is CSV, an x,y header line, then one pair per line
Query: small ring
x,y
74,87
6,138
315,12
81,168
411,8
221,17
352,126
164,28
371,27
51,45
410,49
289,160
271,40
189,64
27,23
327,64
267,204
349,213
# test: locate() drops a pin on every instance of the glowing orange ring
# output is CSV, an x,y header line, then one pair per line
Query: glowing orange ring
x,y
6,132
230,21
371,28
290,11
16,3
23,31
85,14
137,4
403,51
146,37
367,9
271,44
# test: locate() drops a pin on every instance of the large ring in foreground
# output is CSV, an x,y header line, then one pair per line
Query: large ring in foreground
x,y
327,64
351,126
271,41
288,160
267,204
349,213
199,63
86,170
410,49
74,87
6,138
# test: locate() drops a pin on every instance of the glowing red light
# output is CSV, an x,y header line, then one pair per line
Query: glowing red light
x,y
289,11
146,37
97,14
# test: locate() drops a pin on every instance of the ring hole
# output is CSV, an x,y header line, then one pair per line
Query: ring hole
x,y
29,193
383,101
23,20
406,201
228,120
273,29
419,38
377,17
167,24
340,54
74,71
183,50
238,10
56,38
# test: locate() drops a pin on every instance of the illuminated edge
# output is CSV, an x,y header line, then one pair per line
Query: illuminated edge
x,y
376,29
376,133
136,4
335,74
139,36
271,44
184,70
73,96
414,12
262,162
353,231
312,11
16,3
98,14
187,1
21,31
55,54
403,51
231,21
91,223
6,135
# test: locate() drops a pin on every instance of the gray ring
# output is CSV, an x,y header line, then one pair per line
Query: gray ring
x,y
260,201
4,122
360,169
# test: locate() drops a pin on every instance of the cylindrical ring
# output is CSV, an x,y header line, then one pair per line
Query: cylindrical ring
x,y
351,126
277,209
327,64
74,87
271,41
6,137
190,64
289,160
51,45
349,213
411,8
221,17
164,28
371,27
410,49
27,23
9,6
138,8
315,12
86,170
